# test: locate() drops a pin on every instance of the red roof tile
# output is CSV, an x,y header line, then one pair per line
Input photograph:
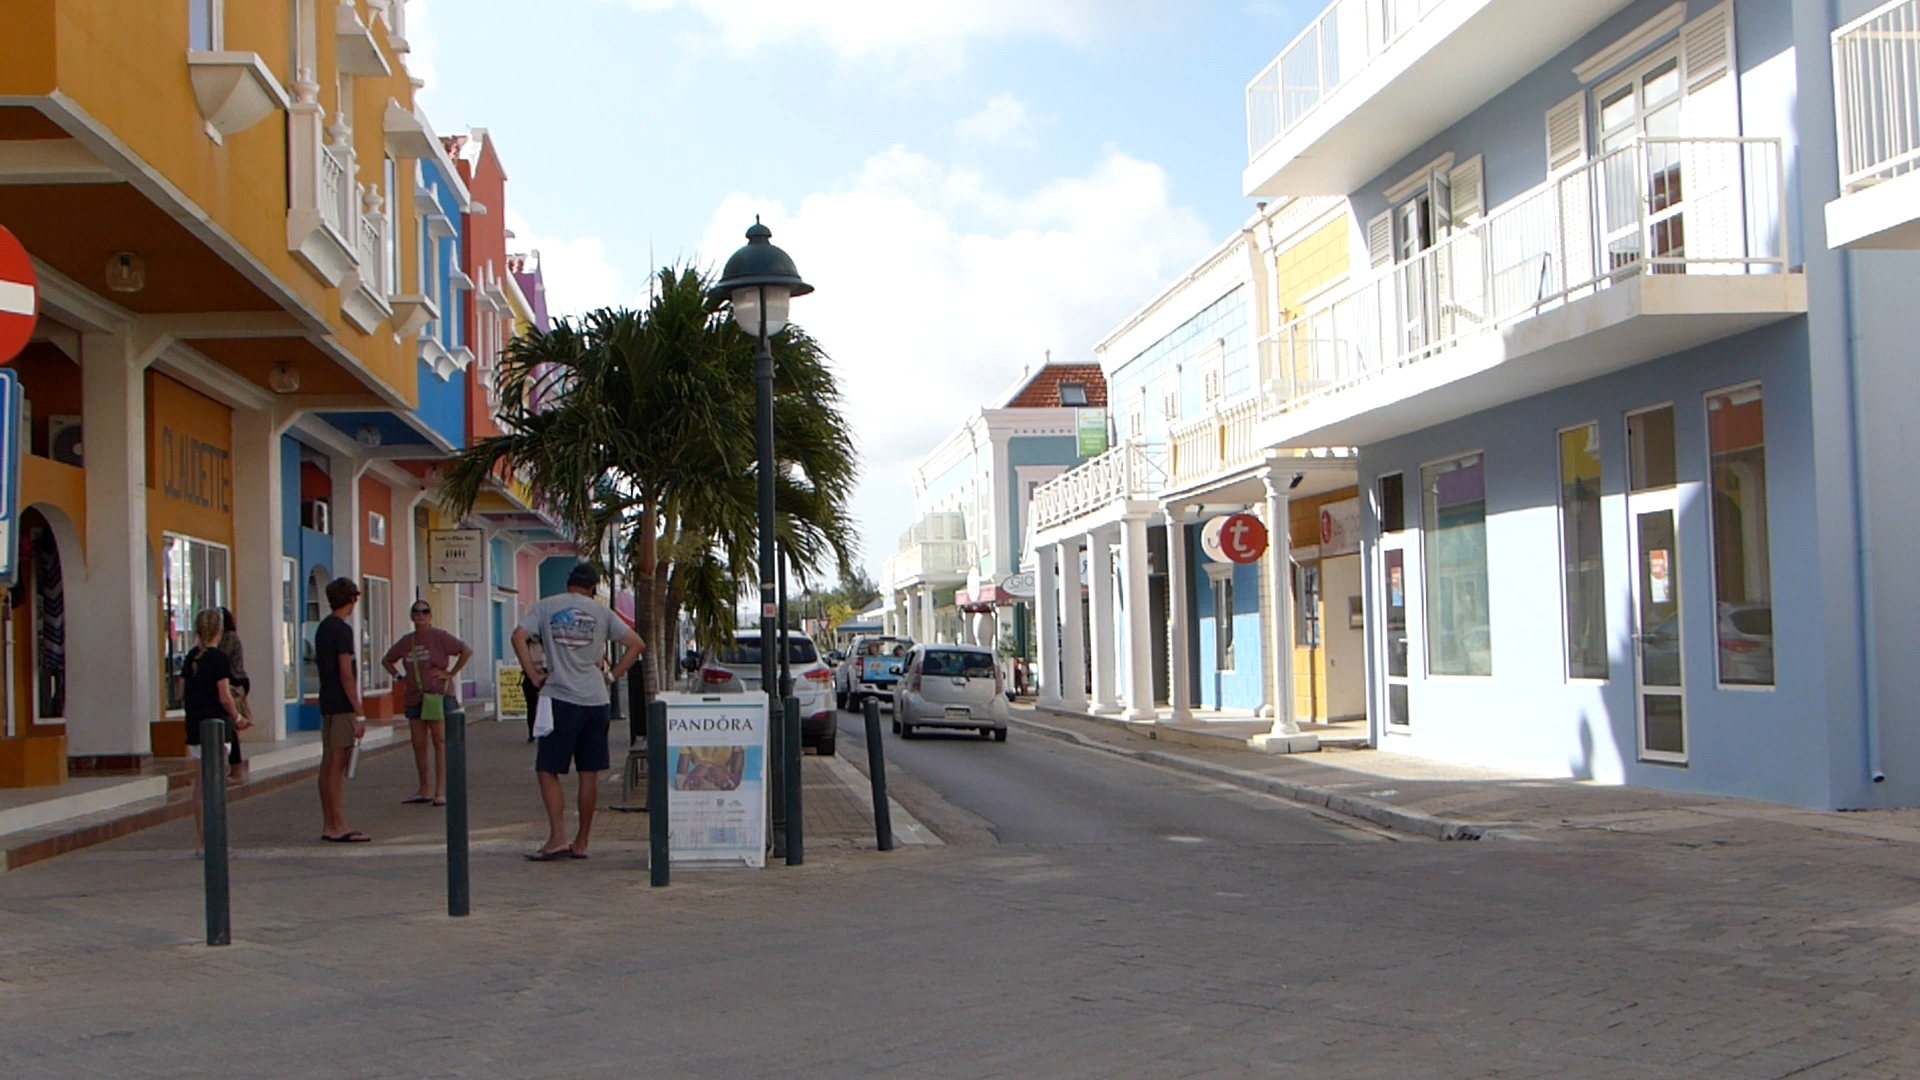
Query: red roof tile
x,y
1043,391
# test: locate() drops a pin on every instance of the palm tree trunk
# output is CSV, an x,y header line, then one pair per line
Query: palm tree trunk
x,y
644,596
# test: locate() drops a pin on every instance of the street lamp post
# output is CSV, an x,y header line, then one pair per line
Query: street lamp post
x,y
760,279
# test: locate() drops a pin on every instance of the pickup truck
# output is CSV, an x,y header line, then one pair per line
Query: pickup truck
x,y
871,668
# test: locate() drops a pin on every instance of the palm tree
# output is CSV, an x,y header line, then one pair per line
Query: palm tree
x,y
642,422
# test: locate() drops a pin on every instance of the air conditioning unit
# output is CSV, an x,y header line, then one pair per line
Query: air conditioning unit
x,y
316,515
63,440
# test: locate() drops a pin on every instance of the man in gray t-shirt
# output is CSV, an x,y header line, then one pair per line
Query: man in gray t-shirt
x,y
573,629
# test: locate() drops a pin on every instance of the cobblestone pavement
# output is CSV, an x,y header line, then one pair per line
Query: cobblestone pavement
x,y
1714,948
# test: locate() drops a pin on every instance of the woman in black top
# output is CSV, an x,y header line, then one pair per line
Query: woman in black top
x,y
209,696
241,687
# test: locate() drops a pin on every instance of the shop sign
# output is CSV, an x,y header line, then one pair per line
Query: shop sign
x,y
508,692
1659,577
1340,528
716,777
1093,432
1236,538
456,557
194,472
12,446
1019,586
19,297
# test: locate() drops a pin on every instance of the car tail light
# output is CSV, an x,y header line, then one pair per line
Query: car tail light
x,y
716,675
860,668
819,675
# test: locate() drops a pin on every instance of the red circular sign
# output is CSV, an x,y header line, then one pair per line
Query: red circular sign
x,y
1243,539
19,296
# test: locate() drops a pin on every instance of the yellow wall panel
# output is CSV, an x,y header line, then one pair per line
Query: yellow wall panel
x,y
27,47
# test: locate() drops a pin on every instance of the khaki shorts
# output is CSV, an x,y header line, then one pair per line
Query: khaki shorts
x,y
336,731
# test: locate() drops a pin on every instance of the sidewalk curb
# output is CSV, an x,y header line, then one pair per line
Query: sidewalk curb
x,y
1379,813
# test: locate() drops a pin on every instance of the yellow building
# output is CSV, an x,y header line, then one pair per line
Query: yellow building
x,y
219,200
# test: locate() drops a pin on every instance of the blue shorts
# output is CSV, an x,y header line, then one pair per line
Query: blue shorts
x,y
579,738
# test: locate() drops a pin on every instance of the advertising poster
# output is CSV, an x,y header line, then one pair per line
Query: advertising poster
x,y
717,779
509,693
1093,432
456,556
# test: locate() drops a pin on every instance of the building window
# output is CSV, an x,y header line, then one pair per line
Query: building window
x,y
1459,630
1073,395
1396,628
376,634
1223,623
204,30
1393,503
1306,605
1736,440
1582,561
193,578
376,529
390,236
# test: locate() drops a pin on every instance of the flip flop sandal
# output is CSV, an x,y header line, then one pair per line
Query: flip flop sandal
x,y
572,854
415,799
556,855
354,837
439,802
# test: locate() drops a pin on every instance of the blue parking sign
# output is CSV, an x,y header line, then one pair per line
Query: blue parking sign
x,y
12,445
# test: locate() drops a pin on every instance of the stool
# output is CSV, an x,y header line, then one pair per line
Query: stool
x,y
634,776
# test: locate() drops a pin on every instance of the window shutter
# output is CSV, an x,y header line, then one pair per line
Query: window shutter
x,y
1567,133
1380,240
1706,45
1469,199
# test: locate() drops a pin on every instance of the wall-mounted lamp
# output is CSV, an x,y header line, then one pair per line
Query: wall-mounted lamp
x,y
126,272
284,379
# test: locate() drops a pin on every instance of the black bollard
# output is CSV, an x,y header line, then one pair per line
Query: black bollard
x,y
877,772
777,775
790,723
213,816
459,894
658,781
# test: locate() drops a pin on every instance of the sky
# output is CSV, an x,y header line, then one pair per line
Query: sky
x,y
969,185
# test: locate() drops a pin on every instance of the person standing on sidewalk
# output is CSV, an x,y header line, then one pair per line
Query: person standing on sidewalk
x,y
208,696
427,652
341,726
573,629
242,688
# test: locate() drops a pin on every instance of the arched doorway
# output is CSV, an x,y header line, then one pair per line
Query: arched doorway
x,y
317,579
39,626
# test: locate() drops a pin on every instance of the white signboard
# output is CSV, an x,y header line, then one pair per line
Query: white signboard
x,y
456,557
1340,528
716,779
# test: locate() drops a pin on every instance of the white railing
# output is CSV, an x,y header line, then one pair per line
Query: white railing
x,y
336,193
1658,206
945,557
1222,440
372,266
1128,471
1876,75
1332,49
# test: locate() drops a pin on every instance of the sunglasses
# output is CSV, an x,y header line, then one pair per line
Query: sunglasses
x,y
422,611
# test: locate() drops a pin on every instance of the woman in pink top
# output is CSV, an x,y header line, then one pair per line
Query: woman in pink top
x,y
432,659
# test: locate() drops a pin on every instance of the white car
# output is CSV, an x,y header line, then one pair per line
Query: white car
x,y
951,686
735,669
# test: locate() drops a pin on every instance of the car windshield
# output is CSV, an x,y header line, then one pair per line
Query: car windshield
x,y
885,646
745,652
970,665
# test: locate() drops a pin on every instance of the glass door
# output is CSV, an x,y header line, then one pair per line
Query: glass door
x,y
1641,202
1653,513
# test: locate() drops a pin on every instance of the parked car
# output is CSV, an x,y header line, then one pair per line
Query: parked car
x,y
951,686
872,667
735,669
1746,643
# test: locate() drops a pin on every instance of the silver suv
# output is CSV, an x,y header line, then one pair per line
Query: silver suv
x,y
735,669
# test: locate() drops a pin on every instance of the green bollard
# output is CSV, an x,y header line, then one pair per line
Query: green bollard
x,y
659,860
459,884
877,772
213,814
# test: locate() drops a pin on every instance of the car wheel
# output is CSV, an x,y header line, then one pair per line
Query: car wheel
x,y
840,700
906,730
824,747
999,734
896,725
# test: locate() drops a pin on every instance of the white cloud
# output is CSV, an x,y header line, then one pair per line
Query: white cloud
x,y
887,27
1004,121
936,290
577,273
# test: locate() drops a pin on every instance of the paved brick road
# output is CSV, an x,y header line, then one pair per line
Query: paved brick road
x,y
1705,950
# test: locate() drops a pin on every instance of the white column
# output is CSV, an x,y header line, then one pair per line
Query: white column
x,y
926,613
1133,562
112,622
1285,736
1073,645
258,542
1046,619
401,535
344,519
1106,697
1179,661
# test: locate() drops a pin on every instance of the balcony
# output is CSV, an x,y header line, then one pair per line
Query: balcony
x,y
320,215
1369,81
1129,472
1658,247
931,561
1876,66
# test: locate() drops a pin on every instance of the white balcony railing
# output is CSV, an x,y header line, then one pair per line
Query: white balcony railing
x,y
336,193
1659,206
1876,73
1332,49
1128,471
932,558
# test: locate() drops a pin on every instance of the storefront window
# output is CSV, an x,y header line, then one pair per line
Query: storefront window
x,y
1582,563
290,627
1306,609
376,634
1223,623
1736,436
1459,630
193,578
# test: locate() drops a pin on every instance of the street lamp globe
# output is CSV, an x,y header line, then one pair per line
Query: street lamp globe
x,y
760,279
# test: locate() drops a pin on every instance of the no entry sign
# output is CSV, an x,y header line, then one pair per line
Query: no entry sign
x,y
19,296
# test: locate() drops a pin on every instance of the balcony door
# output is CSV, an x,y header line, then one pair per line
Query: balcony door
x,y
1642,182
